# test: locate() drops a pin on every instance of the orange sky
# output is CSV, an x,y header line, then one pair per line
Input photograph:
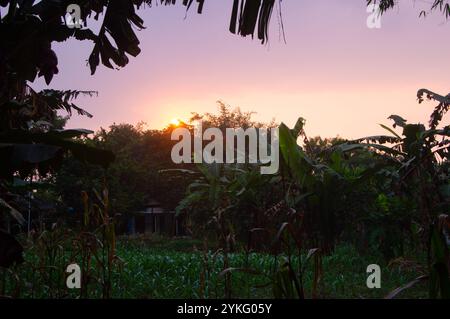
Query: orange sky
x,y
343,77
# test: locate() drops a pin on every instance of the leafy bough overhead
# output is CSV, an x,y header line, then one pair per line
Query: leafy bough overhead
x,y
28,29
32,141
24,151
28,136
442,6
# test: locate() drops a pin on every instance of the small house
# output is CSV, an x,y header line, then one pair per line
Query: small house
x,y
154,219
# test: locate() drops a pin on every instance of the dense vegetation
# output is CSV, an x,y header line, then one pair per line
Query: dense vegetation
x,y
158,268
335,207
307,232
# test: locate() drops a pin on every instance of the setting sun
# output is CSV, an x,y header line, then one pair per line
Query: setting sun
x,y
175,122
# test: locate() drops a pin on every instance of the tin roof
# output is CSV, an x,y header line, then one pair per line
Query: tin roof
x,y
152,203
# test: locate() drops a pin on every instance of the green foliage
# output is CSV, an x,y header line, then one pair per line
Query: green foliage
x,y
49,252
439,266
152,269
134,177
378,192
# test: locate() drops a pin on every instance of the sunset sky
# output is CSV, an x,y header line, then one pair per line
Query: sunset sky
x,y
343,77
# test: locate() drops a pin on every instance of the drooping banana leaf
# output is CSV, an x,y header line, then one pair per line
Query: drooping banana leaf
x,y
300,165
12,211
19,148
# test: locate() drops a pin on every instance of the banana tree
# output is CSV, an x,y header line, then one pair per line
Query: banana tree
x,y
419,171
319,188
240,192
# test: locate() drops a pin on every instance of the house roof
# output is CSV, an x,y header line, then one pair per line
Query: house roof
x,y
152,203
